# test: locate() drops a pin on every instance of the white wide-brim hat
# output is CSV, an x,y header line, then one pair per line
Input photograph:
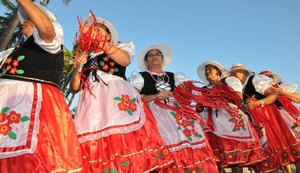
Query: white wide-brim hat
x,y
240,66
166,53
201,70
276,77
110,27
23,16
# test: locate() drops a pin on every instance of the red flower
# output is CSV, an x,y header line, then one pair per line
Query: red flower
x,y
237,127
234,120
2,117
122,106
241,123
105,59
4,129
132,107
184,123
112,64
15,63
13,117
105,67
178,117
195,133
8,67
9,60
125,98
13,71
112,70
187,132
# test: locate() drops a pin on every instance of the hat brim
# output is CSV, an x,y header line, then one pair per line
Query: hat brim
x,y
276,78
201,70
23,16
110,27
165,50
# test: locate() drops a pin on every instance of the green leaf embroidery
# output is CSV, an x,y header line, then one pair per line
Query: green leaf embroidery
x,y
113,170
178,128
5,109
118,98
187,171
190,138
20,71
133,100
298,152
129,112
245,153
230,120
193,122
159,155
200,169
116,69
105,170
244,128
235,153
125,164
234,130
199,135
24,118
176,104
102,63
173,113
294,126
12,135
20,58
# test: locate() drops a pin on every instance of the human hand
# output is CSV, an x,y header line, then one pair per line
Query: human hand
x,y
81,59
163,94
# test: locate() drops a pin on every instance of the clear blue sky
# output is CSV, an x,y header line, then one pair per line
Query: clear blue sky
x,y
262,34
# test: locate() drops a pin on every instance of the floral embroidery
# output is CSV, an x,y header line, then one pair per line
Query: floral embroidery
x,y
194,170
10,120
12,65
108,65
187,126
163,152
108,170
126,104
238,123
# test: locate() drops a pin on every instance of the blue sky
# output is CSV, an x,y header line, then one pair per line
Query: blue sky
x,y
262,34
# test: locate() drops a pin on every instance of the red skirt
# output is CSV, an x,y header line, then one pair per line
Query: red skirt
x,y
57,149
281,146
138,151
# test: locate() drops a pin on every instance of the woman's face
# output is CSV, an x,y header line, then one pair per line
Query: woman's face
x,y
212,73
100,30
153,57
240,74
27,28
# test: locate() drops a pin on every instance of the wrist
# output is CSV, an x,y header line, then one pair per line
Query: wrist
x,y
262,103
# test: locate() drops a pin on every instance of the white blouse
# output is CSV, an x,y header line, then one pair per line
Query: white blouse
x,y
261,83
137,80
234,83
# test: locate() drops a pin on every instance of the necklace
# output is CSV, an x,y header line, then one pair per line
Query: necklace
x,y
160,82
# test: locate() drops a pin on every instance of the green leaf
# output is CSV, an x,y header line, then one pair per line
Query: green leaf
x,y
125,164
5,109
20,58
113,170
234,130
116,69
235,153
179,128
190,138
200,169
245,153
106,170
294,126
244,128
118,98
102,63
12,135
20,71
193,122
176,104
187,171
159,155
199,135
129,112
133,100
173,113
24,118
230,120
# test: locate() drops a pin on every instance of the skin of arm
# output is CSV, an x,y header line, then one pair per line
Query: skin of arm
x,y
294,97
271,97
118,55
40,19
75,79
162,95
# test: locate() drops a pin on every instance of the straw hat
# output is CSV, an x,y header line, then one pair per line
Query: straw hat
x,y
23,16
201,70
276,77
240,66
166,53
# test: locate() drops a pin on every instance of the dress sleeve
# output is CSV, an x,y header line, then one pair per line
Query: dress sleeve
x,y
180,78
292,88
136,80
234,83
128,47
261,83
55,45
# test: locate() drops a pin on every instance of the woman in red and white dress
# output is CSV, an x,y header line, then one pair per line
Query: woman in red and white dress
x,y
116,129
230,132
37,133
181,134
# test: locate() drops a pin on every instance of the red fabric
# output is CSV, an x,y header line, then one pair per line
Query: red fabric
x,y
280,142
289,107
57,147
138,151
